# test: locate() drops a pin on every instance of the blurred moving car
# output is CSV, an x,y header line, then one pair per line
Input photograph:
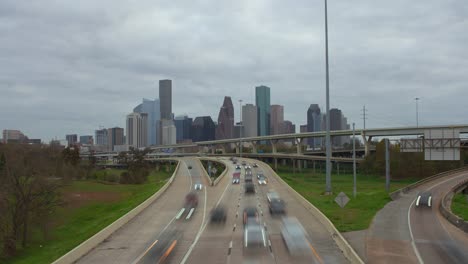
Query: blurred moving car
x,y
254,234
260,174
191,200
198,186
255,165
272,195
295,238
424,198
277,207
238,167
243,163
250,212
189,167
249,187
262,180
236,177
218,214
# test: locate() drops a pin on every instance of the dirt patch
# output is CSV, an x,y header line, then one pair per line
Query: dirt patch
x,y
79,199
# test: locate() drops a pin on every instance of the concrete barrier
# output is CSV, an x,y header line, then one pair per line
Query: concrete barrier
x,y
340,241
82,249
215,182
445,207
397,194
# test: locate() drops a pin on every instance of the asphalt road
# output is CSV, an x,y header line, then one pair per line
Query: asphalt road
x,y
402,233
156,232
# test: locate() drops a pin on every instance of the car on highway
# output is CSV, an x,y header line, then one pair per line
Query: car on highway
x,y
189,167
243,163
262,180
248,177
277,207
197,186
254,234
271,195
249,187
236,177
295,238
260,174
424,199
191,200
249,213
218,214
238,167
255,165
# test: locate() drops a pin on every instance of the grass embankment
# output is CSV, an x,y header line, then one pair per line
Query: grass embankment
x,y
460,206
216,166
90,206
358,213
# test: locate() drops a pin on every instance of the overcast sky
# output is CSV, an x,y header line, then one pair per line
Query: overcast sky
x,y
72,66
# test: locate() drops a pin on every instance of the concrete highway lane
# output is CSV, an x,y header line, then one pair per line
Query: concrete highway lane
x,y
402,233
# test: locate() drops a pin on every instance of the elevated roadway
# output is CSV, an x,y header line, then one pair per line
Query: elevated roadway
x,y
402,233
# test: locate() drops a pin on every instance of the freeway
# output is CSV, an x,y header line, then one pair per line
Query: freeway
x,y
159,235
402,233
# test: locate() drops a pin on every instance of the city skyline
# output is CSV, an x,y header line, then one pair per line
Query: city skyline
x,y
94,74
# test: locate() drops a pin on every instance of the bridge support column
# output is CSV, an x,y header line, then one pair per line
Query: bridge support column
x,y
237,148
305,164
294,166
283,161
276,164
298,142
367,144
213,149
338,167
299,167
254,147
274,143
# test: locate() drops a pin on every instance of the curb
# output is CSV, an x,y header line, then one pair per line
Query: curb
x,y
340,241
86,246
215,182
446,211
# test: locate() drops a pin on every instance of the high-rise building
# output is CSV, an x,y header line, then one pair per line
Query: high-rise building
x,y
338,122
86,140
262,100
203,129
225,128
168,132
101,137
72,139
13,136
314,124
249,120
288,127
183,126
115,137
277,119
165,98
152,108
137,130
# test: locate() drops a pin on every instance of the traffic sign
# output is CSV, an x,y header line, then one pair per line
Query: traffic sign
x,y
342,199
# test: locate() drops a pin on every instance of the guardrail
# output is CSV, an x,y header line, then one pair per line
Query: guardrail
x,y
82,249
445,207
215,182
340,241
397,194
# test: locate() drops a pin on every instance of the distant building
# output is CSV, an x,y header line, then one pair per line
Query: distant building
x,y
165,98
303,128
338,122
169,134
183,126
152,108
262,100
203,129
288,127
225,127
249,120
137,130
86,140
101,137
14,136
314,124
115,137
71,139
276,119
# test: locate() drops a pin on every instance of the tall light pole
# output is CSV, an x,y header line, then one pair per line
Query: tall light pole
x,y
417,111
328,188
240,128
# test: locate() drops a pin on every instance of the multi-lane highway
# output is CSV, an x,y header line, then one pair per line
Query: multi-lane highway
x,y
162,232
404,233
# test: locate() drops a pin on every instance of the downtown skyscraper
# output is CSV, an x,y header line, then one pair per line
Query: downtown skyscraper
x,y
262,100
225,128
137,130
314,124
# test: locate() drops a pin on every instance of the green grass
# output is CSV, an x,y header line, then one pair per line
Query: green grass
x,y
78,224
460,206
358,213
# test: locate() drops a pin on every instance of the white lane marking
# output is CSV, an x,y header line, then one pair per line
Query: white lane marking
x,y
190,175
190,214
180,213
202,227
413,244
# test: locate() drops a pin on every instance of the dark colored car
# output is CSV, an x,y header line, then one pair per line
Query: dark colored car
x,y
249,187
189,167
255,165
218,215
277,207
191,200
250,212
424,199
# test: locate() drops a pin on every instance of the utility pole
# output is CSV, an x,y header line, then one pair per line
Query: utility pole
x,y
417,111
387,165
240,128
328,188
354,163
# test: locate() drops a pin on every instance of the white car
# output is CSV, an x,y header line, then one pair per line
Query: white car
x,y
198,186
424,198
272,195
262,181
236,180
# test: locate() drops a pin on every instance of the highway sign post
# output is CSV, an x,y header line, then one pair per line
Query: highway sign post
x,y
342,199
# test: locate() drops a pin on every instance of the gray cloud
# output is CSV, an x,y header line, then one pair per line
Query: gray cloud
x,y
69,66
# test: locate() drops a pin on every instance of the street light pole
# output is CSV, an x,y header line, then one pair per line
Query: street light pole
x,y
240,128
328,188
354,163
417,111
